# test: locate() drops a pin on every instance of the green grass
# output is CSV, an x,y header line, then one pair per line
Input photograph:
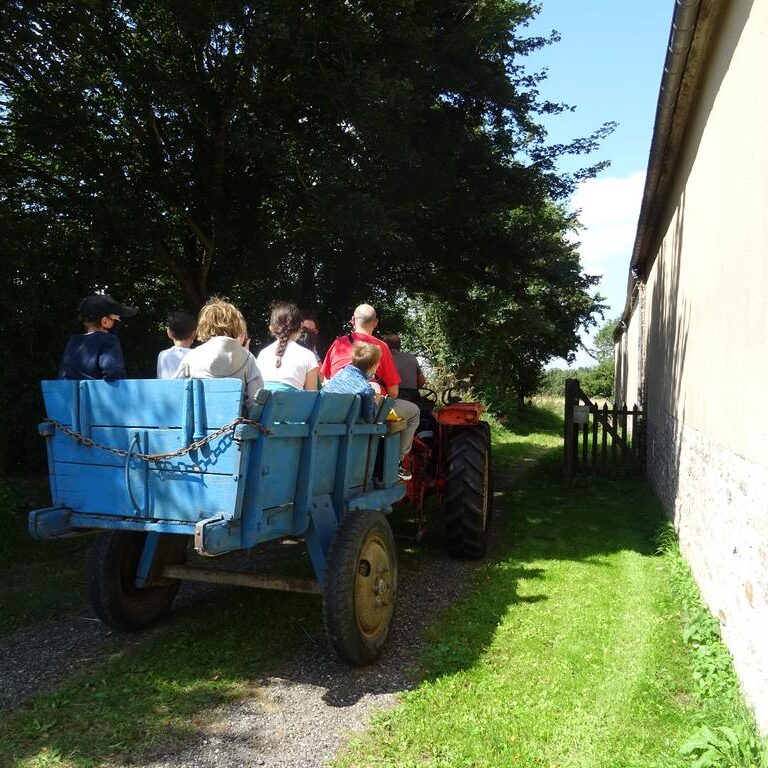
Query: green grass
x,y
41,580
569,649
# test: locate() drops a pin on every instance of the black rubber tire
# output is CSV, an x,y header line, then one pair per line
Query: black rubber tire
x,y
468,505
360,587
112,566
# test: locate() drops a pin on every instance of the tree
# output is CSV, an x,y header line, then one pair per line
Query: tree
x,y
327,153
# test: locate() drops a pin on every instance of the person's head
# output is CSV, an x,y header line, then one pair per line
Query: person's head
x,y
366,357
181,326
392,340
219,318
100,312
284,325
307,338
364,319
310,323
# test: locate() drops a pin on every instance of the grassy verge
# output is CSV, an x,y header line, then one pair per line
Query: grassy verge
x,y
569,651
41,580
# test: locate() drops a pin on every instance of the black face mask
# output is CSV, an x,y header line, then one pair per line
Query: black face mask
x,y
117,326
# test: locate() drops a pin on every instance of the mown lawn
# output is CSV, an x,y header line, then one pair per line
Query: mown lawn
x,y
568,651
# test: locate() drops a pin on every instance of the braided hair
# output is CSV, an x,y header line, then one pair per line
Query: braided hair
x,y
284,320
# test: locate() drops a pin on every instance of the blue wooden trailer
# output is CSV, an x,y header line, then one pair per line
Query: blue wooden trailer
x,y
150,466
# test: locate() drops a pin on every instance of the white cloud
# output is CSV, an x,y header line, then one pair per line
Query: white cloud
x,y
609,208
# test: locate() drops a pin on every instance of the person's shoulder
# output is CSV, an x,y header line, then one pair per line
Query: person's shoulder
x,y
109,340
306,355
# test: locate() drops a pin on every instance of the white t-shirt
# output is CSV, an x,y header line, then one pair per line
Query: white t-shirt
x,y
296,364
168,361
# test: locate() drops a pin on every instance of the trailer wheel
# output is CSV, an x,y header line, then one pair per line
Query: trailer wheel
x,y
360,587
112,566
468,505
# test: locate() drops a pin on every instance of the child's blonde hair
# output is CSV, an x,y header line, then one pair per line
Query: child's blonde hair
x,y
365,356
219,318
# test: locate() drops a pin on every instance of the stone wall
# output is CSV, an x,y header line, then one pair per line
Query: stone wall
x,y
712,495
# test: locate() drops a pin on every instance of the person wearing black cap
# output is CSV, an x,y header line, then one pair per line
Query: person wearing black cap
x,y
96,354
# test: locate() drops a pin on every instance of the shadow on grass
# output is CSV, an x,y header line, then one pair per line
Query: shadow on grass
x,y
540,520
532,419
41,579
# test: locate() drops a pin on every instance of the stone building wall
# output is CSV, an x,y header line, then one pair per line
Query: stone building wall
x,y
711,495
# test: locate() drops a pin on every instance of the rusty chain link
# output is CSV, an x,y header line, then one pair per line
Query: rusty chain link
x,y
91,443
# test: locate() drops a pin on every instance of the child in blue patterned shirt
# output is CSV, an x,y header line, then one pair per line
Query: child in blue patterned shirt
x,y
353,378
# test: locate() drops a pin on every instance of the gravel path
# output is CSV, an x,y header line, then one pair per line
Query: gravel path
x,y
300,716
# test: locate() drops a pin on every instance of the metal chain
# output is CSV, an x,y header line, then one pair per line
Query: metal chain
x,y
90,443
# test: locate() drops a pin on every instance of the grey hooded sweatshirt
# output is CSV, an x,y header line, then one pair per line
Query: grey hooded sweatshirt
x,y
220,358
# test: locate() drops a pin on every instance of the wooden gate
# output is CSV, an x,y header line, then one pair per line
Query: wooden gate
x,y
606,441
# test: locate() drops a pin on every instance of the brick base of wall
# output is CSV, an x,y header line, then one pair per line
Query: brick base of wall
x,y
718,502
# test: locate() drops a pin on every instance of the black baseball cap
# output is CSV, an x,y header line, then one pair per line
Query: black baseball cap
x,y
101,305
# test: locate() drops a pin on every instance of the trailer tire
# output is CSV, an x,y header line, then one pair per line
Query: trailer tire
x,y
112,566
468,505
360,587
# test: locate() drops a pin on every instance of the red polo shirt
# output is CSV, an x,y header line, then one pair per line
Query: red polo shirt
x,y
340,354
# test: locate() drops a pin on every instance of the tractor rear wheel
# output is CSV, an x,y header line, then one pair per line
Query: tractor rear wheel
x,y
360,587
112,566
468,504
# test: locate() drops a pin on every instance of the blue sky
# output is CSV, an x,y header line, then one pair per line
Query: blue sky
x,y
608,65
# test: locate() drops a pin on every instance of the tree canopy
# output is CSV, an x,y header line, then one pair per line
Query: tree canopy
x,y
326,152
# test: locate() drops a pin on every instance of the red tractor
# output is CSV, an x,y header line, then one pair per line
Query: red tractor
x,y
451,459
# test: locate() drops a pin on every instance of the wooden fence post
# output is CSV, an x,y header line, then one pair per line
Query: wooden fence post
x,y
569,442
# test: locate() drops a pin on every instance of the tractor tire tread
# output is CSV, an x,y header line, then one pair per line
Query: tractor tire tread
x,y
467,524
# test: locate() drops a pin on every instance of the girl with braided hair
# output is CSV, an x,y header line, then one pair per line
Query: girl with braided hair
x,y
284,364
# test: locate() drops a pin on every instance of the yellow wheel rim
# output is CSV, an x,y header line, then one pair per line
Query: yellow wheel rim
x,y
374,601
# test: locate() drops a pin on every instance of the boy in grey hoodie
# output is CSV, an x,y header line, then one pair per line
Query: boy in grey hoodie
x,y
223,354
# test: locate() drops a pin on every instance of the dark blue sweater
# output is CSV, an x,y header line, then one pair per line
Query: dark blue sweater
x,y
351,380
92,356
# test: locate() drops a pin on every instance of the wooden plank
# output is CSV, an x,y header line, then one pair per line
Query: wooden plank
x,y
293,407
604,446
161,403
220,456
593,414
172,495
625,452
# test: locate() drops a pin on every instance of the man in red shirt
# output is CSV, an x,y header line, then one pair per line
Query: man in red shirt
x,y
364,322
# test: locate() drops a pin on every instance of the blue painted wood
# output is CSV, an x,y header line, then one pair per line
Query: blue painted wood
x,y
293,406
343,452
322,529
173,495
84,415
147,558
238,491
148,403
305,475
81,522
220,456
49,523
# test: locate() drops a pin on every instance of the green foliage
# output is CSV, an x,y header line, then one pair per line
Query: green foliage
x,y
725,747
328,154
736,743
596,380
